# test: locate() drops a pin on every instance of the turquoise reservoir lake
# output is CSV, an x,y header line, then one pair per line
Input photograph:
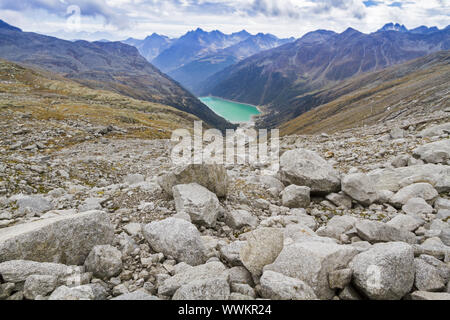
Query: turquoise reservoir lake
x,y
231,111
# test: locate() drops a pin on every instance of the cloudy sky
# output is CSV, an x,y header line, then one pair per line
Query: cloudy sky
x,y
119,19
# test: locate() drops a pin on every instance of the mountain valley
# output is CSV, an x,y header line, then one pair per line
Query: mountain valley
x,y
353,205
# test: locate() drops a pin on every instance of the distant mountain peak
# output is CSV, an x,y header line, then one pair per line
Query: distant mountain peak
x,y
154,35
424,30
315,36
350,31
241,33
393,27
4,25
199,30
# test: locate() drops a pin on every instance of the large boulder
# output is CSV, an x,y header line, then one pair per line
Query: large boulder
x,y
433,247
230,253
16,271
198,202
385,271
442,203
66,239
395,179
84,292
424,295
177,238
376,231
416,207
360,187
337,226
301,217
214,177
204,289
306,168
339,279
35,204
211,270
262,248
445,236
435,152
104,262
238,219
428,277
296,196
136,296
276,286
397,133
271,184
406,222
443,214
39,285
340,200
417,190
311,262
437,130
302,233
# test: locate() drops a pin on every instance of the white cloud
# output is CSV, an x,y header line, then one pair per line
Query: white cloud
x,y
138,18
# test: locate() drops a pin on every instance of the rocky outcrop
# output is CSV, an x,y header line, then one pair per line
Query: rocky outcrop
x,y
198,202
276,286
311,262
177,238
360,187
395,179
296,197
375,231
436,152
385,271
206,289
66,239
262,248
376,226
238,219
104,262
306,168
214,177
17,271
208,271
424,191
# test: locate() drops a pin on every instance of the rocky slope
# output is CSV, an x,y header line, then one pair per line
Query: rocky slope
x,y
112,66
283,79
360,214
416,87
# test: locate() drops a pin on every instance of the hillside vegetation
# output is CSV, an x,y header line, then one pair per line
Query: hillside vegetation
x,y
54,101
418,87
111,66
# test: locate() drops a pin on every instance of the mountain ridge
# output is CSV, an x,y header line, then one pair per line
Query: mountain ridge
x,y
415,87
112,66
278,78
193,74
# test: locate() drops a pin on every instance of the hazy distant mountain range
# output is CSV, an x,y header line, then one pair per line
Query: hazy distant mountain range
x,y
198,54
112,66
284,79
151,46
